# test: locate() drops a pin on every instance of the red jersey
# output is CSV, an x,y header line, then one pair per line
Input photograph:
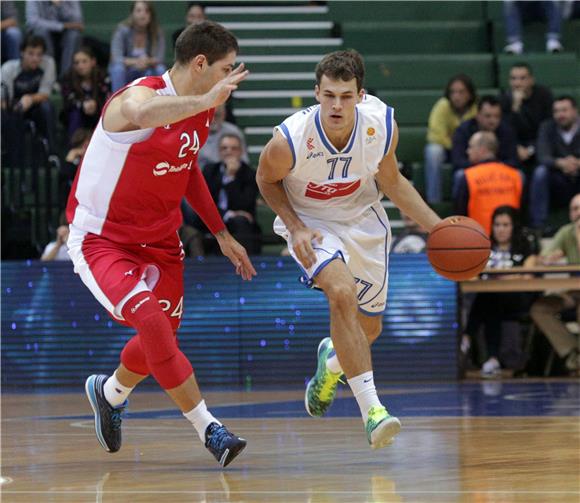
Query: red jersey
x,y
130,185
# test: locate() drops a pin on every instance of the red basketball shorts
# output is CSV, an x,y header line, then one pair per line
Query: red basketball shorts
x,y
115,272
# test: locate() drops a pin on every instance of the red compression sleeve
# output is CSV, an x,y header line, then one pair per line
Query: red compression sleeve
x,y
200,199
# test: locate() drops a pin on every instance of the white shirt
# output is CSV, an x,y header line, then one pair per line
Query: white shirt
x,y
337,185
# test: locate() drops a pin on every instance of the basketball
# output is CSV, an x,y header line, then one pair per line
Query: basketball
x,y
458,248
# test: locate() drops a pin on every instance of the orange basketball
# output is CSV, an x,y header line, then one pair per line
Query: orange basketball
x,y
458,248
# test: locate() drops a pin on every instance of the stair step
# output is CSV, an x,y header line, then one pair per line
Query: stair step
x,y
264,10
278,25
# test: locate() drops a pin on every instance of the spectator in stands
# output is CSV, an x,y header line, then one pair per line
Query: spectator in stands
x,y
85,88
232,183
137,47
413,239
488,118
509,248
11,33
557,177
68,170
516,12
57,249
210,153
26,85
526,105
458,105
487,184
546,311
195,14
60,24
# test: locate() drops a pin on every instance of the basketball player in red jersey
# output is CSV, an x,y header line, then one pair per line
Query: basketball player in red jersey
x,y
124,213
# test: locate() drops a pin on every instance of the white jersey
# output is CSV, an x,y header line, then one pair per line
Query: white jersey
x,y
337,185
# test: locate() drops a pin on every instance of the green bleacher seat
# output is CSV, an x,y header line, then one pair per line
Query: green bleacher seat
x,y
431,71
412,108
406,11
549,69
416,37
411,143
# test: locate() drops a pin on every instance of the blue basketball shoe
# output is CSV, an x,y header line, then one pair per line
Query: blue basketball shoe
x,y
107,417
224,446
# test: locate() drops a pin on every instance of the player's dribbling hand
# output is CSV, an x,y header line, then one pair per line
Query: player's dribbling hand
x,y
237,255
220,93
302,245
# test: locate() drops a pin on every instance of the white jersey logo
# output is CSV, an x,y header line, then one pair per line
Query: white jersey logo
x,y
164,167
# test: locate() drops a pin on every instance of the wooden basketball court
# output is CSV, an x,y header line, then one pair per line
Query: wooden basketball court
x,y
473,442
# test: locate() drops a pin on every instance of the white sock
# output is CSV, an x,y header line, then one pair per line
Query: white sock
x,y
363,389
115,392
333,365
201,418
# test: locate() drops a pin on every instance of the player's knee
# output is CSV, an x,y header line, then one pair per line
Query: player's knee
x,y
173,371
341,295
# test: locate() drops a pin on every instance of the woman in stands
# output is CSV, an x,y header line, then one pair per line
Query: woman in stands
x,y
509,248
85,88
137,47
458,105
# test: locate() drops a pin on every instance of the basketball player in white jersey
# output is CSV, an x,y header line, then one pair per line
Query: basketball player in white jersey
x,y
324,173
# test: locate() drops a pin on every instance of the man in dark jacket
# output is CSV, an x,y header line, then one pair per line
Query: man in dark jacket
x,y
232,184
525,106
557,178
488,118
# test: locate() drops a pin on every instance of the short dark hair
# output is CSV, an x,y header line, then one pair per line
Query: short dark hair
x,y
33,41
489,100
523,64
207,38
567,97
343,65
231,135
467,82
195,4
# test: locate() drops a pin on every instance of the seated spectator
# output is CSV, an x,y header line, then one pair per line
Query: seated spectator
x,y
26,85
546,310
487,184
57,249
526,105
557,178
413,239
516,12
137,47
195,14
68,170
509,248
60,24
210,154
232,183
488,118
11,33
456,106
85,88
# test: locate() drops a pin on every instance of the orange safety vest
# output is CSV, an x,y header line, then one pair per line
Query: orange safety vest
x,y
492,184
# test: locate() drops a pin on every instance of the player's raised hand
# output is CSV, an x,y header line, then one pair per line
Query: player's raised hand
x,y
237,255
219,93
302,245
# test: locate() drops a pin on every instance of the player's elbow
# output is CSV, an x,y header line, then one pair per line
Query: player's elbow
x,y
137,115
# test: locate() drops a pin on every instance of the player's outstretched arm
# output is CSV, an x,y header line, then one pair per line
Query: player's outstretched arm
x,y
275,164
140,107
399,190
